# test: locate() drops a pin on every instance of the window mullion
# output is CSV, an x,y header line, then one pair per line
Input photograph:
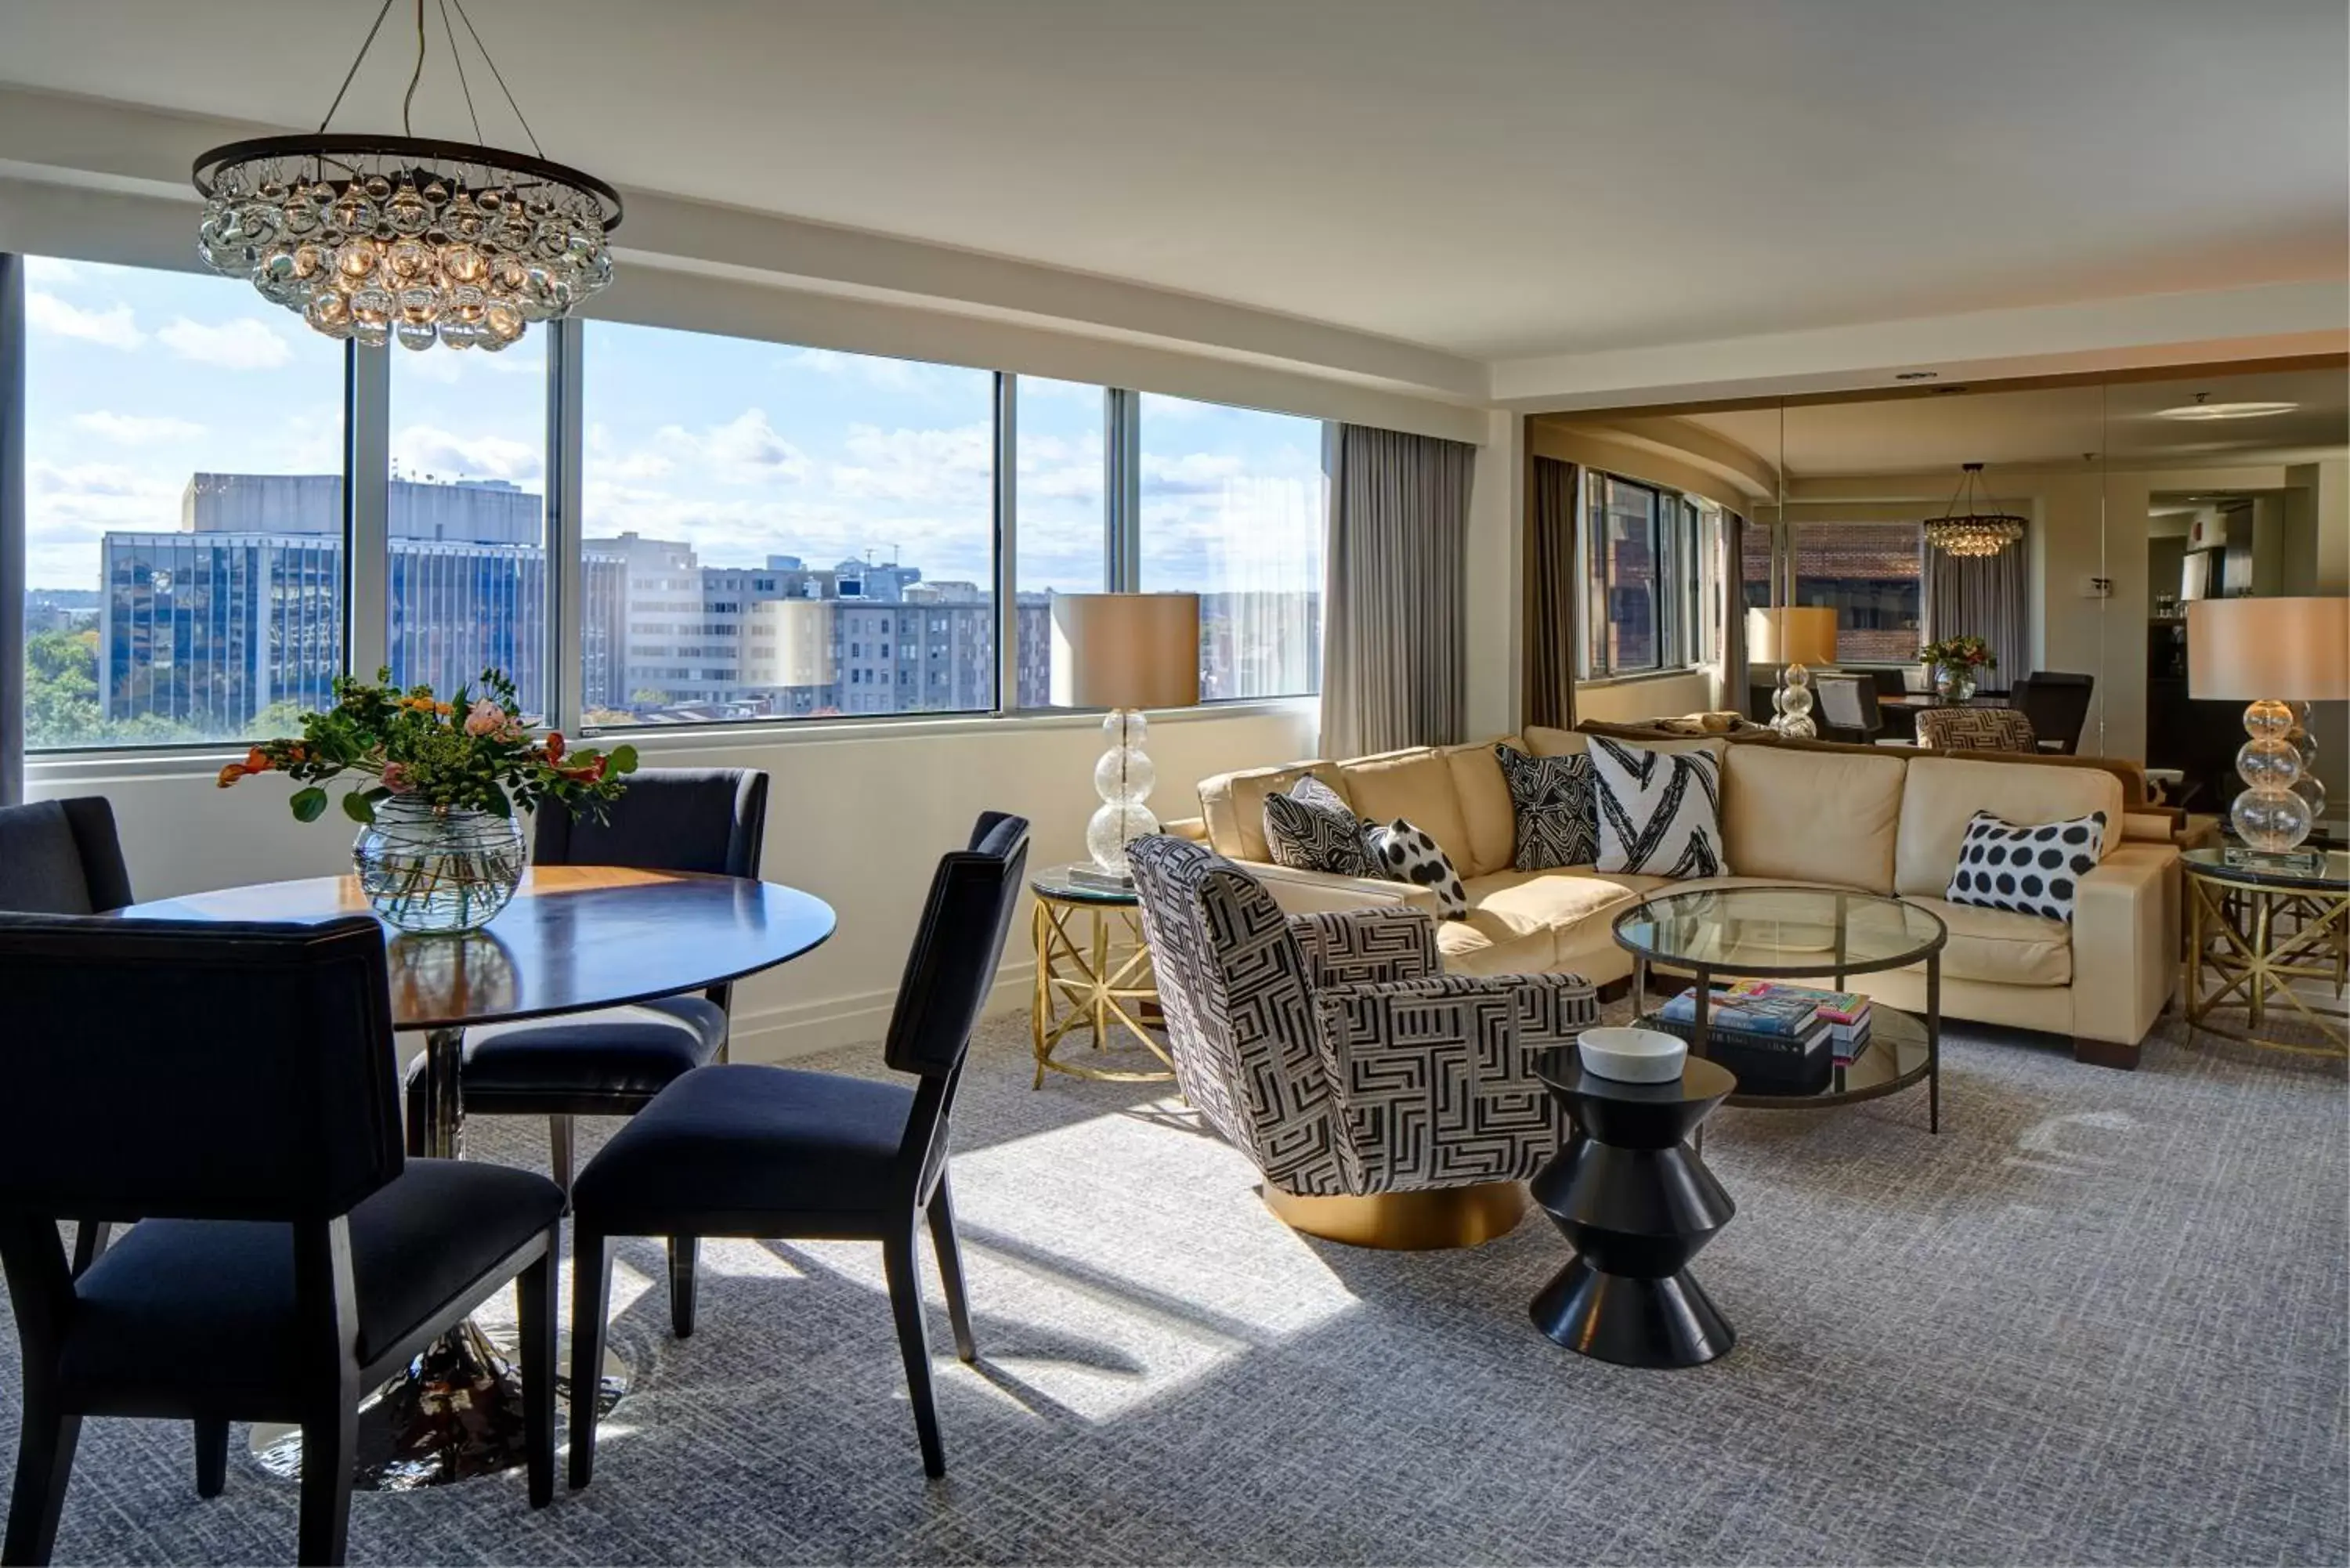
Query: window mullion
x,y
1122,490
566,655
1007,543
367,534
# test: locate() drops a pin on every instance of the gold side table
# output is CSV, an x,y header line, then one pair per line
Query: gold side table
x,y
2268,940
1094,974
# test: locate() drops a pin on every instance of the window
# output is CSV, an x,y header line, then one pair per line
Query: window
x,y
1654,560
1234,508
1870,574
842,480
183,458
466,582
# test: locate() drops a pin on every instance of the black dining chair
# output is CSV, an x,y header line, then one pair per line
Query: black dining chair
x,y
773,1152
230,1088
2057,704
612,1063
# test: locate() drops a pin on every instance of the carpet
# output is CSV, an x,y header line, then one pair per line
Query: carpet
x,y
2099,1319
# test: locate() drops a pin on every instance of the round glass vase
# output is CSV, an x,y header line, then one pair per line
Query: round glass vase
x,y
1956,682
438,870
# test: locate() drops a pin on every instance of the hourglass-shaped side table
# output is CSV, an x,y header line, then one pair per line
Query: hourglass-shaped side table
x,y
1636,1205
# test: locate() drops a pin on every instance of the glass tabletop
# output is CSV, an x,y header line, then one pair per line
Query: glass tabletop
x,y
2272,872
1064,883
1779,931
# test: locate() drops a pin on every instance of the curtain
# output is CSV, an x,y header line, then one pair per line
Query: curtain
x,y
12,530
1989,597
1733,613
1395,666
1551,590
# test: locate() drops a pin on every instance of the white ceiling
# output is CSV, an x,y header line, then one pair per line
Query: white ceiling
x,y
1496,178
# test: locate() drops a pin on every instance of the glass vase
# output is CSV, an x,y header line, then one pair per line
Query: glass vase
x,y
438,869
1956,682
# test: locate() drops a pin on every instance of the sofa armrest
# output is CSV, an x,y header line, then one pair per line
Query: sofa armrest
x,y
1319,892
1361,947
1192,829
2126,943
1432,1079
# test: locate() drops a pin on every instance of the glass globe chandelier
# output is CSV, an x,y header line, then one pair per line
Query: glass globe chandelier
x,y
374,238
1967,529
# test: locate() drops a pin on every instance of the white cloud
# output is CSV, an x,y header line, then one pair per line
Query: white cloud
x,y
137,430
1193,474
421,451
50,269
745,450
114,328
902,376
927,465
241,344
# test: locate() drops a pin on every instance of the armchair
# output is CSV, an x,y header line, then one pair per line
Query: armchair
x,y
1386,1103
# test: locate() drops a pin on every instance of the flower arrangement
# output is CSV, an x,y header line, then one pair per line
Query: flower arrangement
x,y
470,753
1955,653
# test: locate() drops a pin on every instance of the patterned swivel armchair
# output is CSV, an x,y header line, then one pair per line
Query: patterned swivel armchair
x,y
1975,730
1386,1103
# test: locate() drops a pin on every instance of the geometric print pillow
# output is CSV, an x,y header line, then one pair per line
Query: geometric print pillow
x,y
1556,824
1659,812
1407,853
1312,829
2031,870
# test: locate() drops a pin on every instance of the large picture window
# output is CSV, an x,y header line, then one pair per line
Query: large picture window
x,y
1232,507
183,460
1654,563
1869,573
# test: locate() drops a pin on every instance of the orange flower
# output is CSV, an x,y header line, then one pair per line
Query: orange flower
x,y
231,774
257,761
554,745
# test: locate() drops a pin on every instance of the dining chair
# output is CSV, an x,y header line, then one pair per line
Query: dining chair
x,y
1848,708
780,1153
613,1061
2056,703
1973,729
230,1088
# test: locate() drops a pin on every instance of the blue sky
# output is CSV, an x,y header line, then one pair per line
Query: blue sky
x,y
137,378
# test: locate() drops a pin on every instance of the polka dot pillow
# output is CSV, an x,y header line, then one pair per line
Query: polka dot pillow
x,y
1408,854
2032,870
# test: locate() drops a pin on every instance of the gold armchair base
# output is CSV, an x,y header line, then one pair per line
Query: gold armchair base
x,y
1418,1222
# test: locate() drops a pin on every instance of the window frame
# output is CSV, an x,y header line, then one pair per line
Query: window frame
x,y
1686,538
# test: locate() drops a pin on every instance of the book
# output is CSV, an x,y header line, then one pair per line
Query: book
x,y
1848,1011
1748,1015
1819,1038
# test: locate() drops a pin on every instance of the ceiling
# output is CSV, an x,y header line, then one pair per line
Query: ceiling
x,y
2050,426
1495,178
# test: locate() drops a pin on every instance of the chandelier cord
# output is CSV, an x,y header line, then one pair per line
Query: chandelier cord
x,y
458,55
415,76
490,60
356,60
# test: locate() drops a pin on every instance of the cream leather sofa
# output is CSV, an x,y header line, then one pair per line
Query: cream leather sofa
x,y
1876,819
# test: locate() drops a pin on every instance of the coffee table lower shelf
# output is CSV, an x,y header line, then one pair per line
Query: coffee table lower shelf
x,y
1901,1053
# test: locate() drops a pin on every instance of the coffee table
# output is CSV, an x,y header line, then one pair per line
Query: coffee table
x,y
1802,933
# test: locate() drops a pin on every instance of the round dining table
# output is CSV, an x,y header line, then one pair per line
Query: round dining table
x,y
575,939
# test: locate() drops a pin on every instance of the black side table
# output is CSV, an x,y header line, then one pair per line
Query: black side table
x,y
1636,1205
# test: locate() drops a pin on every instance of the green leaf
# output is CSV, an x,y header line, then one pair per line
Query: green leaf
x,y
309,805
624,760
499,805
359,807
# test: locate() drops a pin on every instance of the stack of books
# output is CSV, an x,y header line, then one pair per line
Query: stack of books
x,y
1774,1043
1847,1013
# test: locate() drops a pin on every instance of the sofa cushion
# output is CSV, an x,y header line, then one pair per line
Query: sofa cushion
x,y
2032,870
1658,812
1812,817
1942,795
1232,804
1485,810
1312,828
1511,904
1417,786
1407,853
1556,822
2000,946
1466,950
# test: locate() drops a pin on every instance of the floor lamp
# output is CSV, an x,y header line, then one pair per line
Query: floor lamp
x,y
1123,652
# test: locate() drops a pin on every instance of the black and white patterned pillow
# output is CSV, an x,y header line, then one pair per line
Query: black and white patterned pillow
x,y
1408,854
1310,828
1659,812
1551,796
2033,870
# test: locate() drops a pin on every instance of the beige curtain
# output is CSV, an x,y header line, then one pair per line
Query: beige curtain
x,y
1551,592
1989,597
1395,668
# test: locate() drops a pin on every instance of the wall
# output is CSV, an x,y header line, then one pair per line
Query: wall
x,y
857,818
2318,534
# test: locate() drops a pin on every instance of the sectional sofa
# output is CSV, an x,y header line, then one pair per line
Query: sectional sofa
x,y
1876,819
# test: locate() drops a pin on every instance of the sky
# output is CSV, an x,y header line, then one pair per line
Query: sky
x,y
137,378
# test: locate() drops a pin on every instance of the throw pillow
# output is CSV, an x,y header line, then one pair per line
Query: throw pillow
x,y
1659,812
1312,829
1408,854
1550,797
2033,870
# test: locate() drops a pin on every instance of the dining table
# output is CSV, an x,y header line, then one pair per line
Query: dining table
x,y
575,939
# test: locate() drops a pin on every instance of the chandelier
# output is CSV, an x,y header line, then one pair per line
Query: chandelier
x,y
1966,529
374,237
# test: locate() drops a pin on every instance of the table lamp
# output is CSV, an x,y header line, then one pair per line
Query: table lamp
x,y
1123,652
2280,655
1792,638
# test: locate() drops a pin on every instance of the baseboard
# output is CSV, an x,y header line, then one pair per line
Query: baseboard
x,y
803,1029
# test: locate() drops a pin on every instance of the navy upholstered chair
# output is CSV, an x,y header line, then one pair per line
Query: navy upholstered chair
x,y
773,1152
612,1063
230,1088
61,857
2057,704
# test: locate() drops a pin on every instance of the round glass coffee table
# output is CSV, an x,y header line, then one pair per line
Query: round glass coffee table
x,y
1801,933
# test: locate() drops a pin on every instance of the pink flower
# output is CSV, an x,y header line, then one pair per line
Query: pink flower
x,y
396,779
486,718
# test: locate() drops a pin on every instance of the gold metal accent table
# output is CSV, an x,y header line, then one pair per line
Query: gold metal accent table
x,y
1093,972
2266,936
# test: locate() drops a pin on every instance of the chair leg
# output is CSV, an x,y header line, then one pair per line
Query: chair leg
x,y
905,1272
535,1290
942,1241
89,1242
683,1253
212,1455
330,1443
45,1456
559,1150
591,1290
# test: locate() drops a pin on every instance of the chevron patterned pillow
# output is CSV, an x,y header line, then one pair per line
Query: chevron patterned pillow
x,y
1312,828
1659,812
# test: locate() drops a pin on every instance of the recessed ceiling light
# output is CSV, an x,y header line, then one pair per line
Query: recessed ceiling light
x,y
1915,375
2203,409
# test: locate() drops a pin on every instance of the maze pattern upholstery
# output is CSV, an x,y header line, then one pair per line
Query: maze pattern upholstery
x,y
1975,730
1329,1048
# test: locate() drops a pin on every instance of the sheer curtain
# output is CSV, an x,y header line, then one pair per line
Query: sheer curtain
x,y
1989,597
1550,589
1394,662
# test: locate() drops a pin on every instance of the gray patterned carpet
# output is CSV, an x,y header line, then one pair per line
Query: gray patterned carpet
x,y
2101,1319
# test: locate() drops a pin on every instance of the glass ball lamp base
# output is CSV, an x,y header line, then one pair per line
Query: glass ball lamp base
x,y
1123,778
1792,704
2272,815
